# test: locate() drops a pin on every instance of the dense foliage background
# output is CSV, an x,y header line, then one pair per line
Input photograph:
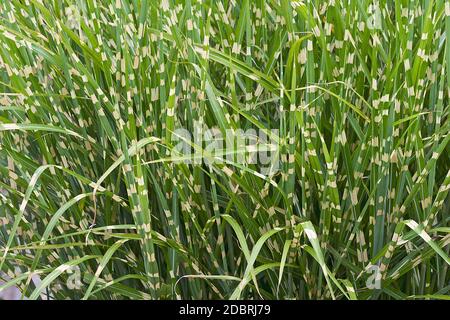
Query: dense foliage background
x,y
93,205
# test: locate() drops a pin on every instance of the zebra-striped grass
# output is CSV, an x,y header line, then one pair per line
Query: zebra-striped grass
x,y
91,96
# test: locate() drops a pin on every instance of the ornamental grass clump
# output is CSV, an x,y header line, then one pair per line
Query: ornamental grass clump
x,y
187,149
